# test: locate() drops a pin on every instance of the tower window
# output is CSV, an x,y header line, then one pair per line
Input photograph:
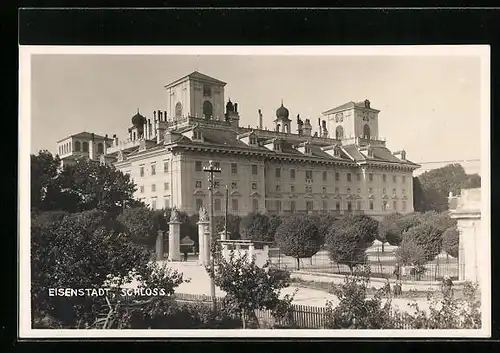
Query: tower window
x,y
339,132
178,110
207,110
100,148
207,90
77,146
85,146
366,132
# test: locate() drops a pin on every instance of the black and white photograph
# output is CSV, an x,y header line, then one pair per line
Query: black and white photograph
x,y
214,191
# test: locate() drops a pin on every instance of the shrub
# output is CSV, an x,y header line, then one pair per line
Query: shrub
x,y
255,226
389,230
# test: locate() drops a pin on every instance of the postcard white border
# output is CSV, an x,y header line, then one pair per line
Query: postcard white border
x,y
25,330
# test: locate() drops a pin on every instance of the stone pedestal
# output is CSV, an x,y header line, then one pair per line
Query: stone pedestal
x,y
159,246
174,241
251,251
266,253
204,243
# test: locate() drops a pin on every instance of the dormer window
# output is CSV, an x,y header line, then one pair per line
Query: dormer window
x,y
308,150
253,140
197,135
277,146
336,151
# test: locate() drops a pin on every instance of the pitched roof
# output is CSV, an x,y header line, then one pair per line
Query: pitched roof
x,y
195,75
86,135
347,105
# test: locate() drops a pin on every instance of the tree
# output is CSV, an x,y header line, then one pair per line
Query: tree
x,y
233,225
298,237
347,242
142,224
249,287
95,186
255,226
274,222
410,253
436,184
427,238
419,203
79,251
389,230
407,221
45,189
325,222
451,241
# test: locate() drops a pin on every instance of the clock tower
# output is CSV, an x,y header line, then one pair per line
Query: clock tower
x,y
352,120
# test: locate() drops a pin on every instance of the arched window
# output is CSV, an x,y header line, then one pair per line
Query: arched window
x,y
178,110
85,146
207,109
77,146
366,132
339,132
100,148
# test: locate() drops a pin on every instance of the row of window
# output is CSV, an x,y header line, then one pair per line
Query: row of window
x,y
309,173
308,188
234,204
153,168
79,147
166,187
325,206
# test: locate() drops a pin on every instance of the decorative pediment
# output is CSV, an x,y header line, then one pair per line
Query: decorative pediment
x,y
371,196
199,193
255,194
385,197
293,196
235,193
336,196
394,196
309,196
324,196
404,197
349,197
218,193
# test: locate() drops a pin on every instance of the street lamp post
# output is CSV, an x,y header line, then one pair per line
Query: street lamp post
x,y
211,170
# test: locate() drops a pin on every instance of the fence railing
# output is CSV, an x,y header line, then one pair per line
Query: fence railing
x,y
381,265
300,316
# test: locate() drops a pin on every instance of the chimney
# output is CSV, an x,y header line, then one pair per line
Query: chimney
x,y
325,131
164,115
154,114
307,128
260,119
145,130
115,140
236,107
319,127
154,122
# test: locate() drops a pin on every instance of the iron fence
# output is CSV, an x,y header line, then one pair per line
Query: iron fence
x,y
379,264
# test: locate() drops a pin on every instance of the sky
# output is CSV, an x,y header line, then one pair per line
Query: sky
x,y
429,106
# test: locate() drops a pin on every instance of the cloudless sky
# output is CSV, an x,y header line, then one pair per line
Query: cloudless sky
x,y
430,106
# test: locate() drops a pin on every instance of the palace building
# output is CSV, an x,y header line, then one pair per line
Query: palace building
x,y
342,166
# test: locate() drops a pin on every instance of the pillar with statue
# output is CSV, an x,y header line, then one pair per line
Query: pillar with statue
x,y
174,236
203,237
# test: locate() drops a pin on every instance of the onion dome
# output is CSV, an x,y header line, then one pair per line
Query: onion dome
x,y
282,112
229,106
138,120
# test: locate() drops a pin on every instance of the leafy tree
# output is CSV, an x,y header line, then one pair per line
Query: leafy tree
x,y
98,186
233,225
255,226
419,202
142,224
249,287
274,222
298,237
84,251
427,237
451,241
441,221
347,242
436,184
45,189
355,310
410,253
325,222
407,221
389,230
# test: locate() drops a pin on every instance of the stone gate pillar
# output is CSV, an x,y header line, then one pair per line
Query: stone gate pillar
x,y
203,242
174,237
159,246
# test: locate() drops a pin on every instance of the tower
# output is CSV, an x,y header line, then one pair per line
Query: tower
x,y
232,116
282,122
353,120
195,95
